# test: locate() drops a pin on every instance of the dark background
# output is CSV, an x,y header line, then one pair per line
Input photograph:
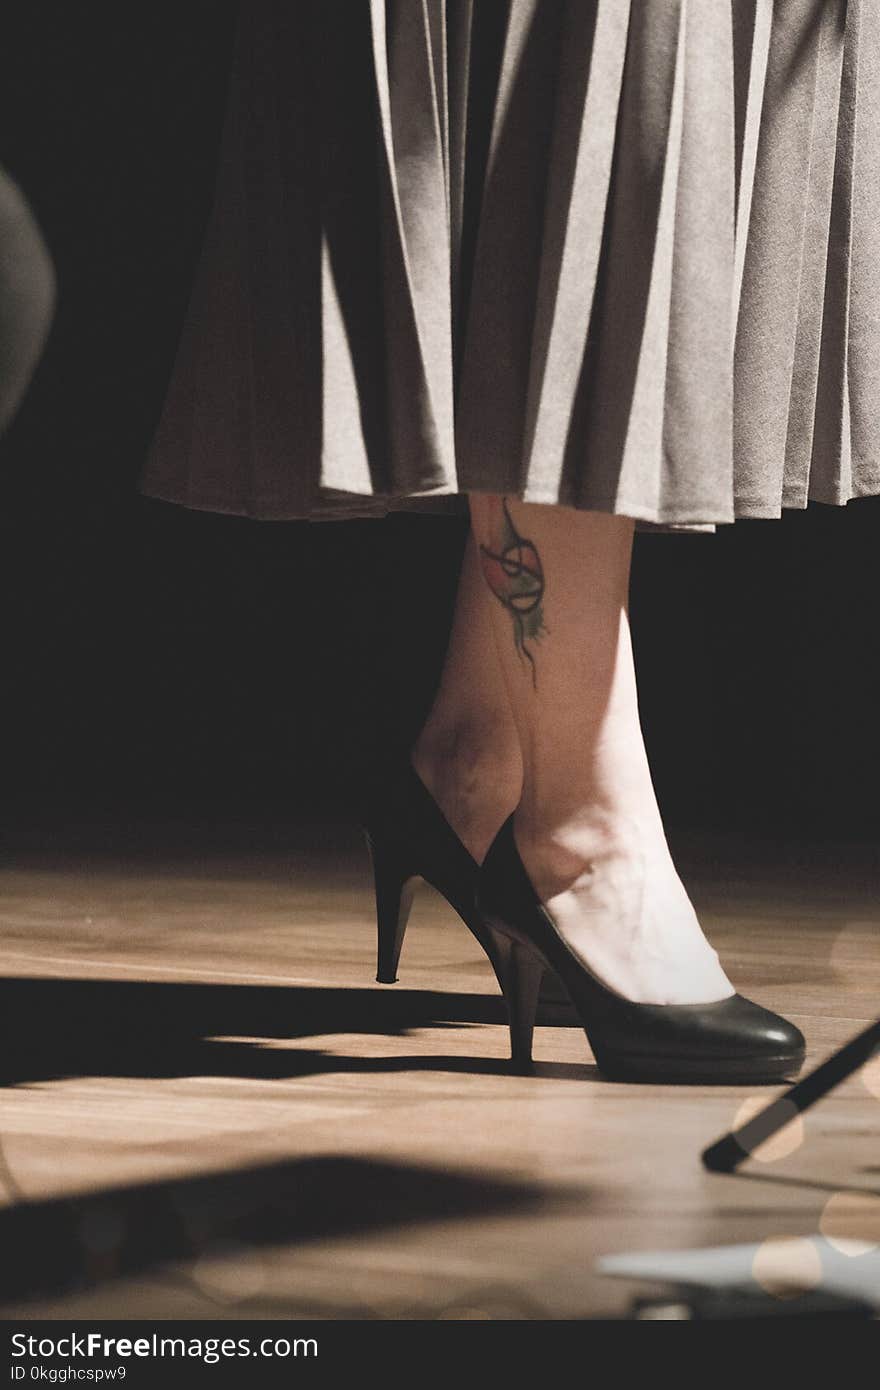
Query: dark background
x,y
159,663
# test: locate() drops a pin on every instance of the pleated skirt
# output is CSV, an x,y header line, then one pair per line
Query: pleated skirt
x,y
618,255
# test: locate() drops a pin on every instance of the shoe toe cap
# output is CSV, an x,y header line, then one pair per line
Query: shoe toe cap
x,y
760,1030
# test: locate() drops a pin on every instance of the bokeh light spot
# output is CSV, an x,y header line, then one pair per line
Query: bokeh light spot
x,y
870,1075
850,1221
784,1142
229,1273
854,949
787,1266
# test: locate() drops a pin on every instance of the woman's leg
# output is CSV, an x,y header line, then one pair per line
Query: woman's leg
x,y
587,826
468,754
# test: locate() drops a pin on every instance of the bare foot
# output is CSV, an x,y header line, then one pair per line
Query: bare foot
x,y
617,900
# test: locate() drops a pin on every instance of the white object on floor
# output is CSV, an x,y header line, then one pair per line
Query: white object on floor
x,y
782,1265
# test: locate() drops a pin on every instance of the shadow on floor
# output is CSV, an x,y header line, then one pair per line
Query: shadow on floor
x,y
64,1028
809,1184
67,1244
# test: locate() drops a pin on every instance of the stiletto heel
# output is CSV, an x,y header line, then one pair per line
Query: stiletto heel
x,y
520,976
408,838
395,888
728,1039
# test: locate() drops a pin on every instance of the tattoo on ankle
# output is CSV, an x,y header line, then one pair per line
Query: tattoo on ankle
x,y
514,573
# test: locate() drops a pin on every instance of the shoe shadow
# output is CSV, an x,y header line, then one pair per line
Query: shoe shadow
x,y
64,1245
64,1028
817,1184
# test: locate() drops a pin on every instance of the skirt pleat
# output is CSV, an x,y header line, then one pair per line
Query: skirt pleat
x,y
618,255
409,65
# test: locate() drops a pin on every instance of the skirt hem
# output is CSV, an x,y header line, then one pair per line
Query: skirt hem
x,y
364,505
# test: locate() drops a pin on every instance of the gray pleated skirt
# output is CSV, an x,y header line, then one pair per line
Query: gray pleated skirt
x,y
619,255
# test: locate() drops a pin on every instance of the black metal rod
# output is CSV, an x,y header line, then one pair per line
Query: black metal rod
x,y
727,1153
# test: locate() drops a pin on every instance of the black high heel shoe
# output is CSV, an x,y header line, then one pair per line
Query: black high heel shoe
x,y
409,838
731,1040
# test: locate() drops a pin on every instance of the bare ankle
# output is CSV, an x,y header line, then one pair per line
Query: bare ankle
x,y
472,768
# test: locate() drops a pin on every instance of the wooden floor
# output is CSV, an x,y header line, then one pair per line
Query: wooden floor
x,y
210,1109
